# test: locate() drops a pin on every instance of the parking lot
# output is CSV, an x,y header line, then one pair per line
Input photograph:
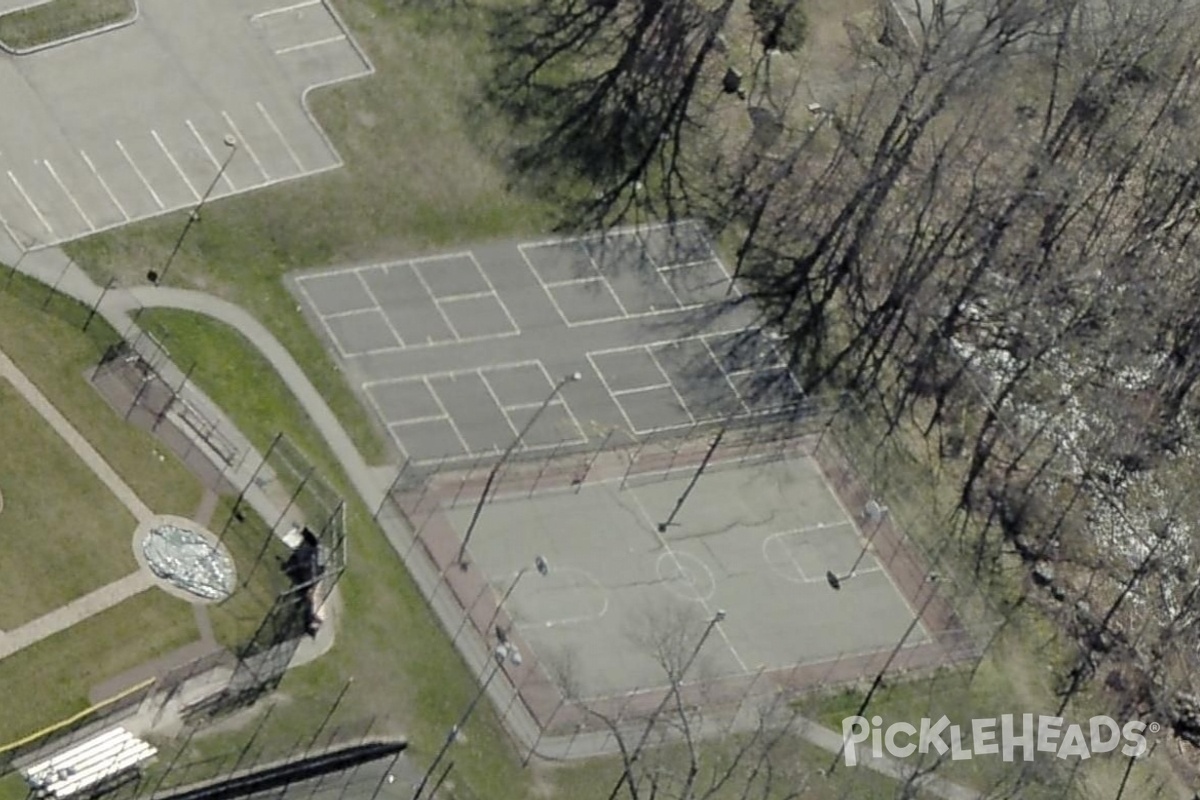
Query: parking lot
x,y
192,100
458,353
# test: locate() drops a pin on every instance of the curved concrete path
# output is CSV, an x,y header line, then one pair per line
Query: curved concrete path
x,y
52,267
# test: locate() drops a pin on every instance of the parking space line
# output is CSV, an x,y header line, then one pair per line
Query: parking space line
x,y
71,197
145,182
244,142
174,164
223,173
11,234
284,9
469,296
295,159
487,385
616,402
36,211
436,303
104,185
437,398
307,45
492,287
378,307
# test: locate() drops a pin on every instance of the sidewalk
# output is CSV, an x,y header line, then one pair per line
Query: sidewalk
x,y
51,267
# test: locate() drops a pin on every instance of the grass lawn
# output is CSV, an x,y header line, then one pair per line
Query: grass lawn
x,y
62,531
52,677
58,19
419,175
46,341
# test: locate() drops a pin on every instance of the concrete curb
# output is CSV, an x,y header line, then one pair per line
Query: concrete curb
x,y
113,26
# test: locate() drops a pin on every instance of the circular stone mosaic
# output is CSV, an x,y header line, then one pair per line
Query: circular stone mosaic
x,y
189,560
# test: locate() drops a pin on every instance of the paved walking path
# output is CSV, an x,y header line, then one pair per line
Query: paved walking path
x,y
51,267
75,612
95,462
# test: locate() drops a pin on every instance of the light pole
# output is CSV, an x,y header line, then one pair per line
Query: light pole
x,y
637,751
931,579
543,568
503,653
156,277
874,512
491,478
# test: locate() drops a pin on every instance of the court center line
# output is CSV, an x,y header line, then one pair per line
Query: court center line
x,y
545,288
582,438
284,9
174,163
492,287
223,173
495,399
36,211
146,183
104,185
615,400
666,546
619,392
674,390
78,208
307,45
438,399
378,307
728,379
292,153
337,344
244,142
417,420
425,285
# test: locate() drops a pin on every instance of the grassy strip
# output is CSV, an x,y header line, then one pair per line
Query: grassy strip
x,y
416,179
52,677
64,533
43,336
59,19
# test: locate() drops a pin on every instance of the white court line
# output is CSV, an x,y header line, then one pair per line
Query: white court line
x,y
674,390
321,317
495,399
244,142
145,182
468,296
437,398
378,307
454,373
223,173
814,466
174,164
620,392
728,378
492,287
21,189
274,127
424,284
603,382
71,197
284,9
104,185
306,45
573,281
415,420
665,545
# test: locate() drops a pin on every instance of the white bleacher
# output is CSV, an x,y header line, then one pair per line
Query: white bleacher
x,y
88,764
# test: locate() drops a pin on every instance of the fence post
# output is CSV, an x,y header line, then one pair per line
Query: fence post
x,y
633,459
587,469
542,470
